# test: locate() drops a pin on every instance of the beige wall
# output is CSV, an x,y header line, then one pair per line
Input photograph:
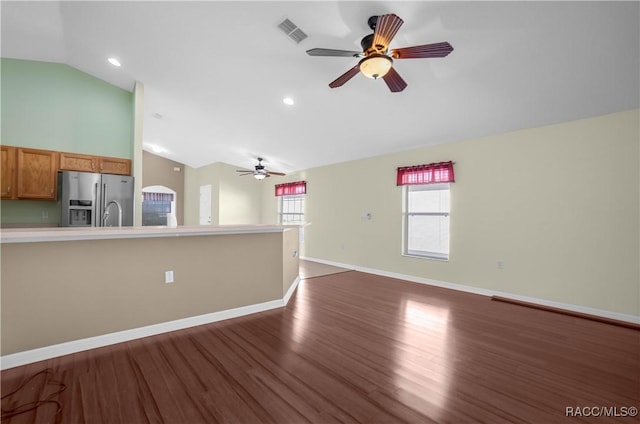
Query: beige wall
x,y
558,204
240,197
160,171
235,199
193,179
290,255
82,289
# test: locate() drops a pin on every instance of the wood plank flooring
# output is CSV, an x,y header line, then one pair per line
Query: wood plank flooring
x,y
351,348
311,269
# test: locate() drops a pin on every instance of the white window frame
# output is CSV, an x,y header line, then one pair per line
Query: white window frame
x,y
293,197
407,214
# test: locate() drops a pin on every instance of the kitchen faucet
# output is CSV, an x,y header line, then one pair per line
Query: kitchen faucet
x,y
106,213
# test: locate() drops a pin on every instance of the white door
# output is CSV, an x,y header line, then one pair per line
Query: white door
x,y
205,204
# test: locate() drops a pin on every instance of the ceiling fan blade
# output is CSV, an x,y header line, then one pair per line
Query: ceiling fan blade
x,y
386,28
243,170
332,52
424,51
338,82
394,81
276,173
246,173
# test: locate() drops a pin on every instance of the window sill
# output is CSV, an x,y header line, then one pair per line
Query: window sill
x,y
432,258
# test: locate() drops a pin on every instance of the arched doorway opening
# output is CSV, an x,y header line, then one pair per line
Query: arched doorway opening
x,y
159,206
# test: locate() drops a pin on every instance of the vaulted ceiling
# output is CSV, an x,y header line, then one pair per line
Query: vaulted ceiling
x,y
215,73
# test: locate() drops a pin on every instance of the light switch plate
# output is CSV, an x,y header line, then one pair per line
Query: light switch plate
x,y
168,276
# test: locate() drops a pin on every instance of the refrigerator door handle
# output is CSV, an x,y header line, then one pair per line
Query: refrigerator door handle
x,y
96,206
104,205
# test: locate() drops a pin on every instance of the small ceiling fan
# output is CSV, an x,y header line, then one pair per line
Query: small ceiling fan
x,y
260,172
377,60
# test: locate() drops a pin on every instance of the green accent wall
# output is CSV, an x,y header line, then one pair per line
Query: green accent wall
x,y
30,213
56,107
53,106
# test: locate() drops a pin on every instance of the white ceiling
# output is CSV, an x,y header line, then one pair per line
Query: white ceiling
x,y
217,71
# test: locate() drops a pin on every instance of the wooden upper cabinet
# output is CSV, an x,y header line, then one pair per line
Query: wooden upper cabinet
x,y
78,162
8,171
37,174
33,173
115,166
89,163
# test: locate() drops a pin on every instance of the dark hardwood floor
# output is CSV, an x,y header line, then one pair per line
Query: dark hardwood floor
x,y
351,347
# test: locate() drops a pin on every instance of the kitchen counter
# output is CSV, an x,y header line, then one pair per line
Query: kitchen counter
x,y
69,289
27,235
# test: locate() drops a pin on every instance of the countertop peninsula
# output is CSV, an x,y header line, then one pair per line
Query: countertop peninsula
x,y
70,289
31,235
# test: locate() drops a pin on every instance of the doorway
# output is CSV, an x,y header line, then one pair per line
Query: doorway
x,y
205,204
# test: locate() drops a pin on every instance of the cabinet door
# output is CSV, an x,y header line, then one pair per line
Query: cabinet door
x,y
78,162
115,166
37,172
8,170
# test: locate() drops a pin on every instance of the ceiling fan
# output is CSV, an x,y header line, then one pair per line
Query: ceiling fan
x,y
376,59
260,172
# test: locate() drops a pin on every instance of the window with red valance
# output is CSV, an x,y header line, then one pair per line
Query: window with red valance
x,y
432,173
426,207
298,187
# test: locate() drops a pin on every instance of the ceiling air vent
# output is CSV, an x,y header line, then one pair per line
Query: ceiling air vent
x,y
292,31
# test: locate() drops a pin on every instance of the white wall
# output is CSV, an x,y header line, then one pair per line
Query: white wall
x,y
137,152
558,204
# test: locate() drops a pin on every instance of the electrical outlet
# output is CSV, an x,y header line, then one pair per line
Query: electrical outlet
x,y
168,276
45,214
500,264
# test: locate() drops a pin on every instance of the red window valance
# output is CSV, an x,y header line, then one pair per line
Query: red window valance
x,y
431,173
298,187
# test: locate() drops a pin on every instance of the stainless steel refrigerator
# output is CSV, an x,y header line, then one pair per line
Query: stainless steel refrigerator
x,y
95,200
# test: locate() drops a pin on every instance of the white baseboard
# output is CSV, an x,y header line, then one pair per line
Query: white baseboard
x,y
485,292
289,293
48,352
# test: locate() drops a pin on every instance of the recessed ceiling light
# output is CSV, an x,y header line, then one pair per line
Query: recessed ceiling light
x,y
115,62
288,101
155,148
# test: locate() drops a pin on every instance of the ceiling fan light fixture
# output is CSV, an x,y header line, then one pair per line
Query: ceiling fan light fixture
x,y
375,66
259,176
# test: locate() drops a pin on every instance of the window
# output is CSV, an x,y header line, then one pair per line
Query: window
x,y
291,209
426,209
291,203
158,206
426,221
